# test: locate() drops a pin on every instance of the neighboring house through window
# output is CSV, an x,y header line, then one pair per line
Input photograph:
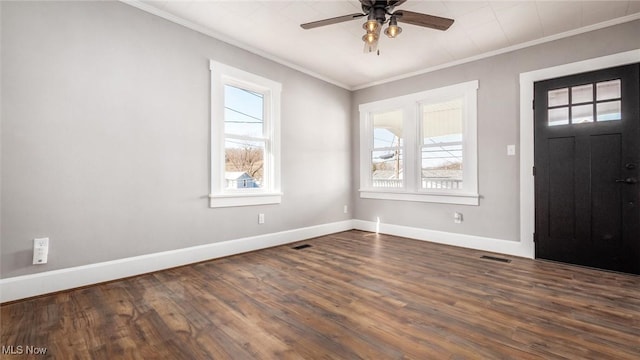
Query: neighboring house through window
x,y
245,149
421,147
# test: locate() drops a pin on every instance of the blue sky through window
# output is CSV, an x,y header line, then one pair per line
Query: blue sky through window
x,y
243,112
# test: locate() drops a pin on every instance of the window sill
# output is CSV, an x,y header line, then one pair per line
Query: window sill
x,y
230,200
443,198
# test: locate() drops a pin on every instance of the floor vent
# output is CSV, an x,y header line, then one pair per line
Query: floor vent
x,y
495,258
300,247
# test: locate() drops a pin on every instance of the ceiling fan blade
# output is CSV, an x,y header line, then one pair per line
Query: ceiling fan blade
x,y
419,19
331,21
367,2
394,3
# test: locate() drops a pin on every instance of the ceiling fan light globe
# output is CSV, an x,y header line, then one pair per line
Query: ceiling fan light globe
x,y
370,37
392,31
370,25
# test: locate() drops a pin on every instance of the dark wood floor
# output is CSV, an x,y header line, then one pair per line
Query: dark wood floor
x,y
350,295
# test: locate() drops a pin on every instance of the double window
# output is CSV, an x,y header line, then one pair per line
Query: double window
x,y
421,147
245,119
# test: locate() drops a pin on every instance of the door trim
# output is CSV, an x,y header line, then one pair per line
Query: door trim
x,y
527,189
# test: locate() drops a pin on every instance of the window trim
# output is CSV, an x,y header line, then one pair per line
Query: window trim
x,y
411,104
220,196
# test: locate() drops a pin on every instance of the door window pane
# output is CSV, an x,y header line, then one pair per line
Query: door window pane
x,y
558,116
608,111
582,94
608,90
558,97
582,114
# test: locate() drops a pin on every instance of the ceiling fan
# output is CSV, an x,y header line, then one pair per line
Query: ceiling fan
x,y
376,12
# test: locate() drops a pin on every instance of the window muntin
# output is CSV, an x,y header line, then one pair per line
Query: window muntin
x,y
587,103
436,157
244,138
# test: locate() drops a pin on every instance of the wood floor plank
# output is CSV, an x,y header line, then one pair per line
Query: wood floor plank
x,y
350,295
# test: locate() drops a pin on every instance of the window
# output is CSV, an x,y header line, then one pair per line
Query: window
x,y
421,147
579,104
386,156
441,145
245,119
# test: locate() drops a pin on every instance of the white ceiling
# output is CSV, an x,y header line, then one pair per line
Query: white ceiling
x,y
334,53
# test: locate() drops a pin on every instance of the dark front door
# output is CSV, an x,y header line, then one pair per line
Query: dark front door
x,y
587,167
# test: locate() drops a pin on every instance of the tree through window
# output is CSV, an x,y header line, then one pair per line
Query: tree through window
x,y
245,121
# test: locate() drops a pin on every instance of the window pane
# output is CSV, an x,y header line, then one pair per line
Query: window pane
x,y
582,94
611,110
386,169
558,97
558,116
243,112
442,166
581,114
441,153
387,129
243,160
608,90
442,122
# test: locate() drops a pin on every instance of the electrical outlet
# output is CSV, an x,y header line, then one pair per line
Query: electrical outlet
x,y
40,251
511,150
457,217
260,218
346,209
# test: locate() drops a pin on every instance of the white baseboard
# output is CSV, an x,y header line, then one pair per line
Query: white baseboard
x,y
21,287
507,247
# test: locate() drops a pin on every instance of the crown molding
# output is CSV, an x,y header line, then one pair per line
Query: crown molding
x,y
566,34
226,39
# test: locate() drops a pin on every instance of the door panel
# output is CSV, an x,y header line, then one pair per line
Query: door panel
x,y
561,188
606,208
587,152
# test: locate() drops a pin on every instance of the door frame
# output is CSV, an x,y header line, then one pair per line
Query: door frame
x,y
527,188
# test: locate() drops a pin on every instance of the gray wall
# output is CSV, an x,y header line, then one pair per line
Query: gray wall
x,y
498,125
105,138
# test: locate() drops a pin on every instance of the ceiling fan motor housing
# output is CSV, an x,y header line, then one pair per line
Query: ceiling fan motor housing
x,y
378,10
